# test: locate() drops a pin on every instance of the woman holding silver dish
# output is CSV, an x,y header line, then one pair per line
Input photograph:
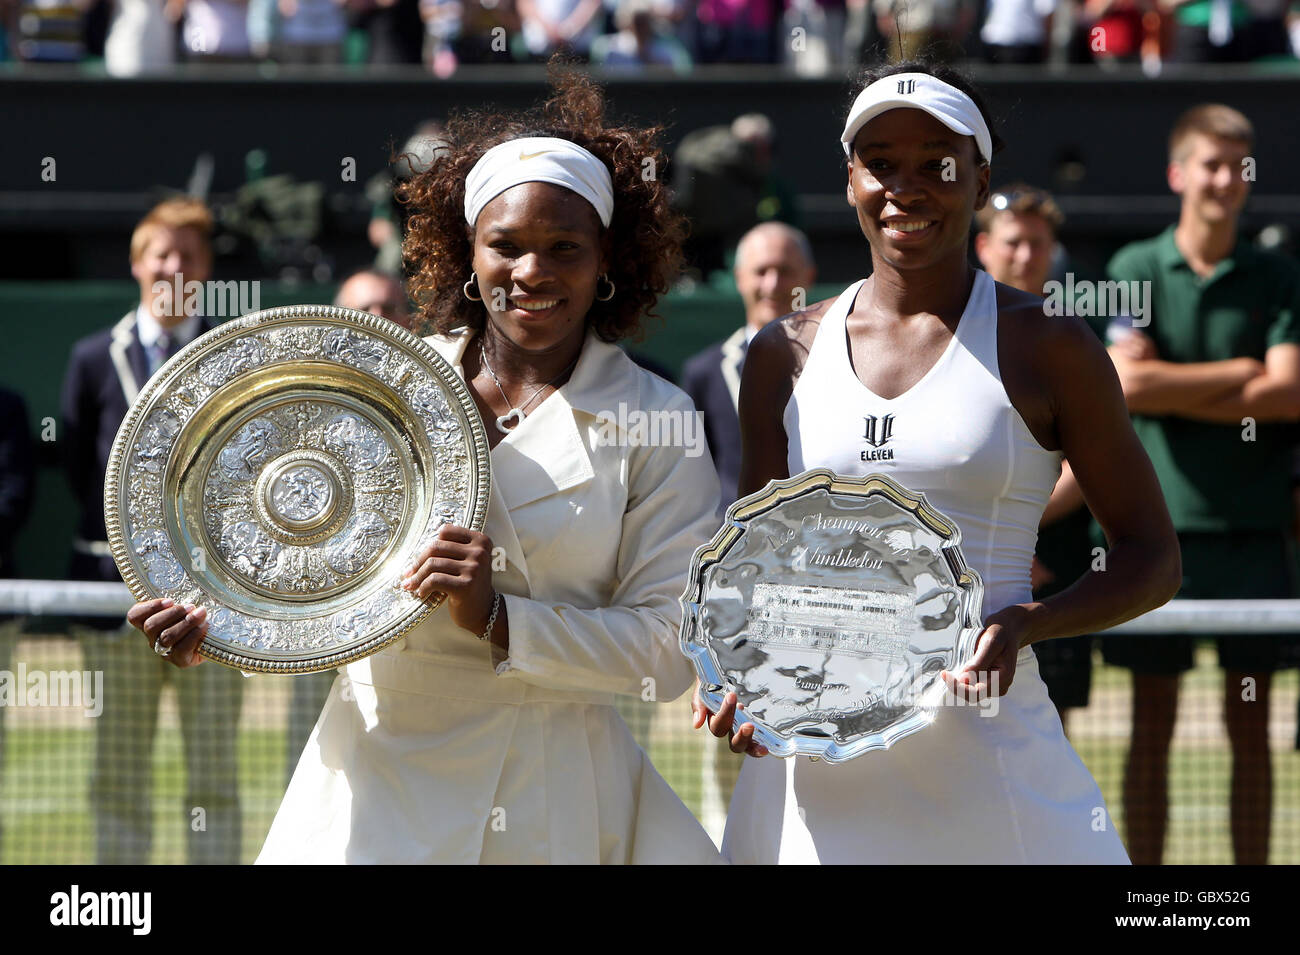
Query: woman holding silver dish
x,y
488,734
984,395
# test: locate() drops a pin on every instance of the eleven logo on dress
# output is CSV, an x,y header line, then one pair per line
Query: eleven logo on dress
x,y
877,431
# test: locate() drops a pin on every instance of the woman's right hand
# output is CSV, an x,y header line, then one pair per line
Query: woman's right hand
x,y
721,724
179,626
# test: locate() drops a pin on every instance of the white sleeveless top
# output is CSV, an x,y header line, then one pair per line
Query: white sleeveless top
x,y
954,435
977,785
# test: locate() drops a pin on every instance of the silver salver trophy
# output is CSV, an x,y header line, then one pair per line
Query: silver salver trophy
x,y
282,470
830,605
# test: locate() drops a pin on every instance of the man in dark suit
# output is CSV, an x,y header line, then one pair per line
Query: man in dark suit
x,y
17,471
774,270
169,249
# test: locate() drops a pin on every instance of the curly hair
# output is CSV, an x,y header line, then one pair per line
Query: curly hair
x,y
644,235
940,71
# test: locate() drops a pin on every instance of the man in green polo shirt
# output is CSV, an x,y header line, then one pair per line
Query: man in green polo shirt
x,y
1213,382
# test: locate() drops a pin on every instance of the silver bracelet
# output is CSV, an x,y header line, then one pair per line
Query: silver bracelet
x,y
496,606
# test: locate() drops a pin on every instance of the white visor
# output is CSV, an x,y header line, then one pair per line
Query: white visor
x,y
539,159
945,103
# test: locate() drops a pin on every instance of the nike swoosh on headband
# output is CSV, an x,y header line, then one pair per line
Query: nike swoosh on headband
x,y
560,162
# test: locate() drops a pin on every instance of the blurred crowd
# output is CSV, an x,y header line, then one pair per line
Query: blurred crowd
x,y
811,37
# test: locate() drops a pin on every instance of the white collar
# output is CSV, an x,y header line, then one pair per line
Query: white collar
x,y
148,328
600,380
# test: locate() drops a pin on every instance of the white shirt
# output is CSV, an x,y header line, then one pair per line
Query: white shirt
x,y
149,328
556,12
140,39
1016,22
620,50
315,22
216,27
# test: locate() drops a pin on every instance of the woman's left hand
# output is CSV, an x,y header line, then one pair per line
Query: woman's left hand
x,y
993,667
459,564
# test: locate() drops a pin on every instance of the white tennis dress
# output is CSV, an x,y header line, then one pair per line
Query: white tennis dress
x,y
974,787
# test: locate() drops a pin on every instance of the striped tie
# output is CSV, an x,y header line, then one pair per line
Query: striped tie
x,y
159,352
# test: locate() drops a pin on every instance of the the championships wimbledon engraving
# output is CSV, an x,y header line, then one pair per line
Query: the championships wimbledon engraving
x,y
831,606
829,618
281,470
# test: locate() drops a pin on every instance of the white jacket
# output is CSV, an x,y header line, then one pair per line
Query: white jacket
x,y
425,753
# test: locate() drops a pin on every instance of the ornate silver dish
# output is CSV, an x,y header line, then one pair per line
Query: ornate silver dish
x,y
830,606
282,471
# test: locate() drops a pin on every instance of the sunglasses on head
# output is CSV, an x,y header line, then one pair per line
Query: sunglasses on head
x,y
1004,200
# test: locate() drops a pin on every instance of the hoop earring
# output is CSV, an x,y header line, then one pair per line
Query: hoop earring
x,y
606,298
473,281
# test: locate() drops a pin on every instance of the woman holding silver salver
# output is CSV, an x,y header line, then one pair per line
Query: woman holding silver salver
x,y
984,396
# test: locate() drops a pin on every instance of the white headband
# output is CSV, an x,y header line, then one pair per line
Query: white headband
x,y
945,103
539,159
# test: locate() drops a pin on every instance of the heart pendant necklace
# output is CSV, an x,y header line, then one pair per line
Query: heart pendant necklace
x,y
516,414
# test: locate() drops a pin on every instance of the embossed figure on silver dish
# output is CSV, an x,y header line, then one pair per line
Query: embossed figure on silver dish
x,y
360,445
241,355
356,349
360,540
155,441
302,494
155,551
249,550
241,459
